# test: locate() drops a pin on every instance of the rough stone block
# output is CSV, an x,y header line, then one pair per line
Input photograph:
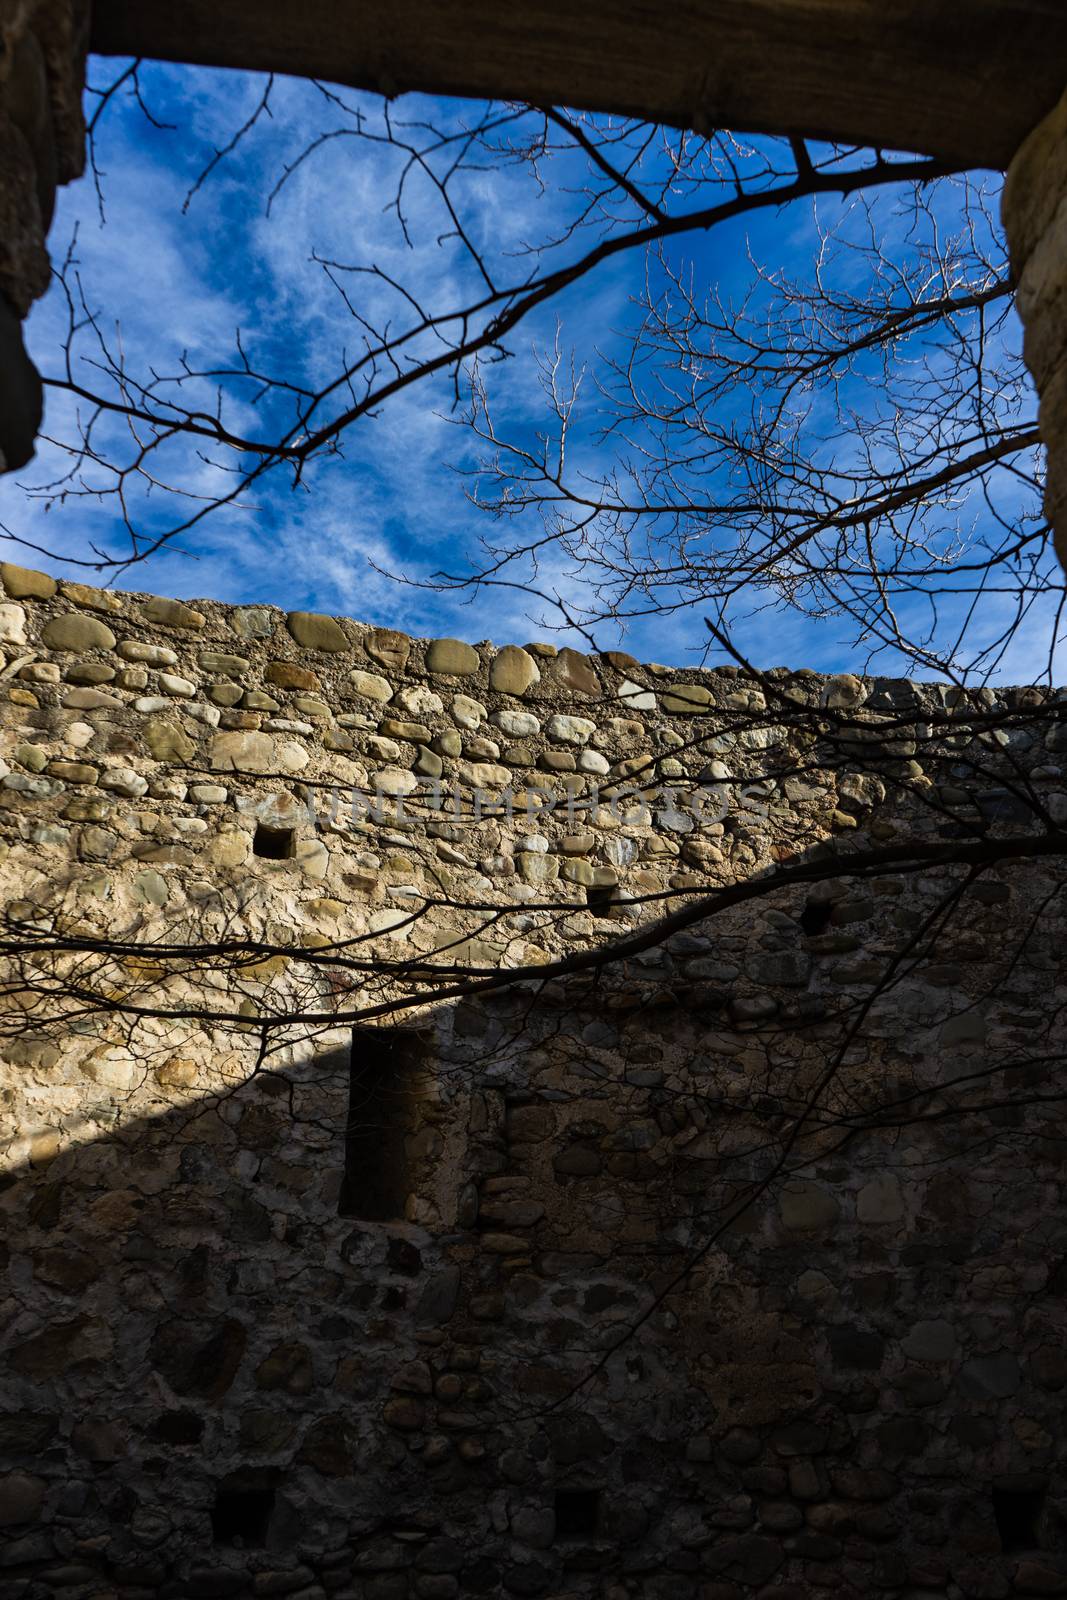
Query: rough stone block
x,y
452,658
317,632
23,583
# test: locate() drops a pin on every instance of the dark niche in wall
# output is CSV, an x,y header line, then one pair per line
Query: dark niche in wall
x,y
1017,1506
815,917
274,844
577,1513
244,1504
177,1427
384,1072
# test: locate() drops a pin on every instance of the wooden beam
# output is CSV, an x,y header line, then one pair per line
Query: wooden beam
x,y
962,81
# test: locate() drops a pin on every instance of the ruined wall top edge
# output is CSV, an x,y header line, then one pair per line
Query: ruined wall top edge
x,y
68,619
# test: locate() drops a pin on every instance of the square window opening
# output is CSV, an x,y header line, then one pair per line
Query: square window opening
x,y
384,1071
577,1513
274,844
241,1516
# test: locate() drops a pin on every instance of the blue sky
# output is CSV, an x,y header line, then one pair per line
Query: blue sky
x,y
182,280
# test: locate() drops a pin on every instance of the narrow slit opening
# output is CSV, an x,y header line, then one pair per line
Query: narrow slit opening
x,y
384,1067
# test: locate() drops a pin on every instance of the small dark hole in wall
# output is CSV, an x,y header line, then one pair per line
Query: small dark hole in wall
x,y
815,917
177,1427
241,1516
383,1075
274,844
599,898
577,1511
1017,1510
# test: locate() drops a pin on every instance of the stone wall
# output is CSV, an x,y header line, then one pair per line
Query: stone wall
x,y
1034,211
42,139
692,1287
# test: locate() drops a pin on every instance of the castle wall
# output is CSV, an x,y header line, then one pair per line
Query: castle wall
x,y
692,1286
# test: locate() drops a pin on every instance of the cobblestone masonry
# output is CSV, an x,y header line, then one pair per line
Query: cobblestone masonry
x,y
217,1385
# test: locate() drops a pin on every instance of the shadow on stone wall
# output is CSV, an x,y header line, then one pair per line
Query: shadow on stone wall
x,y
218,1384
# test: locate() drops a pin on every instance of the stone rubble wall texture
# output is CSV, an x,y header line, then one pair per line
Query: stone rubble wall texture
x,y
858,1358
1034,213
